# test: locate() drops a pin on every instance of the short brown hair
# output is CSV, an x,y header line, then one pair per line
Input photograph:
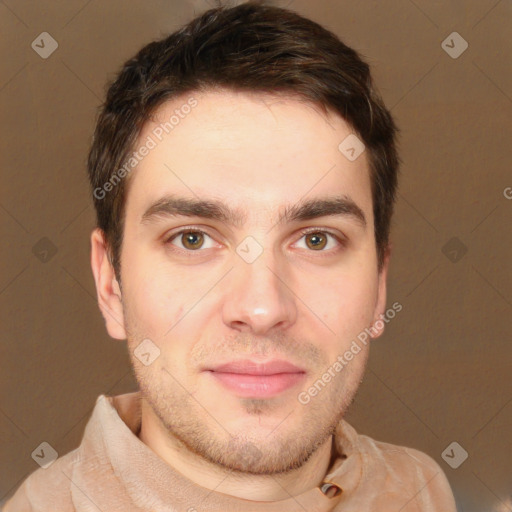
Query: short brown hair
x,y
250,47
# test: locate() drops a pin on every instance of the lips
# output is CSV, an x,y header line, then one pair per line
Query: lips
x,y
252,379
248,367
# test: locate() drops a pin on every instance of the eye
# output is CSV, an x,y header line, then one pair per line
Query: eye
x,y
317,239
193,239
190,239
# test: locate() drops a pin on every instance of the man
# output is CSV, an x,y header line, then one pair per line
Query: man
x,y
243,171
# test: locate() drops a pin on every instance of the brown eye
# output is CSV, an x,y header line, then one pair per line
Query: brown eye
x,y
316,241
321,241
190,240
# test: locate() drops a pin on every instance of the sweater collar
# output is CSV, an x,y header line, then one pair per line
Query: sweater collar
x,y
150,481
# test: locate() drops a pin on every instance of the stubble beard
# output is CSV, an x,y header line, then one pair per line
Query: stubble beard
x,y
286,448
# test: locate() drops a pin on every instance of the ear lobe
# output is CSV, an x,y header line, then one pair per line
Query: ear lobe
x,y
107,288
378,324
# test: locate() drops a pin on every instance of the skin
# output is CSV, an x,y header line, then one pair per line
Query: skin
x,y
255,152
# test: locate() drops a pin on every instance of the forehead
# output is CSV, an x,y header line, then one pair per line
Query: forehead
x,y
254,150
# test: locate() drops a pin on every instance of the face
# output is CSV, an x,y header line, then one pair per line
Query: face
x,y
249,277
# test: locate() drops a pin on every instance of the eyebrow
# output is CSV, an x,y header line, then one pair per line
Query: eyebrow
x,y
175,206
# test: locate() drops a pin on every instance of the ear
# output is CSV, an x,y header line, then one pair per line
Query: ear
x,y
377,327
107,287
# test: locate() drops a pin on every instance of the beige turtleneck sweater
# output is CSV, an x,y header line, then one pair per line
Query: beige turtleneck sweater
x,y
114,471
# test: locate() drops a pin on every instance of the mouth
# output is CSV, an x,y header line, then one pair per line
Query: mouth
x,y
252,379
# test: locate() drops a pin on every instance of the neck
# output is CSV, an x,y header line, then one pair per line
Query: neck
x,y
214,477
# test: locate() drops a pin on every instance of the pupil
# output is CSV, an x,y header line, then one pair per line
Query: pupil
x,y
316,240
190,238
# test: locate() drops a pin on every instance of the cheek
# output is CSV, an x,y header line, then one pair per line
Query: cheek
x,y
345,303
158,305
154,298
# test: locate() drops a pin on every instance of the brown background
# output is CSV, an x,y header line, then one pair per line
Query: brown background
x,y
442,371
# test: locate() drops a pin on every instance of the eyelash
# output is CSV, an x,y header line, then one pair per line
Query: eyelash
x,y
342,242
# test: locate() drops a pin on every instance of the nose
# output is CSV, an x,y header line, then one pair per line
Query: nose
x,y
259,297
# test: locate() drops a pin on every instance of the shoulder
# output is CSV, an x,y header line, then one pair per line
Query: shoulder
x,y
417,474
396,456
399,473
46,488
